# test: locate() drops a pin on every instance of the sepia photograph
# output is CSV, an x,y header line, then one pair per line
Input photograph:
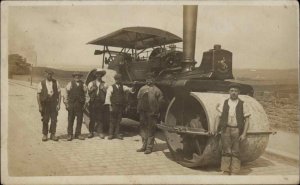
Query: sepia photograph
x,y
150,92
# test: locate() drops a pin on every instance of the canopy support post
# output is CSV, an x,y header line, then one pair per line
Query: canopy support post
x,y
103,57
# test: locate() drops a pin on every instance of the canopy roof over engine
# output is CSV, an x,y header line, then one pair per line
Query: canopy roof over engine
x,y
137,38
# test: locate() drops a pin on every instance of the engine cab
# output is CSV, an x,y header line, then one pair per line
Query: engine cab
x,y
218,62
134,68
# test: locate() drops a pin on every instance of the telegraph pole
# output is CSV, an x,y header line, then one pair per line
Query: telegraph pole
x,y
31,66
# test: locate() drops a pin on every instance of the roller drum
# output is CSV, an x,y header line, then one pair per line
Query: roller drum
x,y
180,112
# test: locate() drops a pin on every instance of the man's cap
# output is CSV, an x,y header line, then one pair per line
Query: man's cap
x,y
118,76
100,72
234,85
49,71
76,73
149,75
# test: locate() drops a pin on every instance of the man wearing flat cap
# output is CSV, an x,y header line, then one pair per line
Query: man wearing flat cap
x,y
233,123
49,98
75,100
97,92
150,99
116,99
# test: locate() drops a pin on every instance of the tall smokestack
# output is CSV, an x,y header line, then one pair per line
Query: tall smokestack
x,y
189,36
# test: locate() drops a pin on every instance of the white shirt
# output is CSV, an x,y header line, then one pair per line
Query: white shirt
x,y
90,86
232,112
110,91
49,87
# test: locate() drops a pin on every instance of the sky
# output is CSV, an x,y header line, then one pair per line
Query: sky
x,y
264,36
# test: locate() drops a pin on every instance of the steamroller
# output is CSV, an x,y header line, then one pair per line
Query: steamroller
x,y
189,91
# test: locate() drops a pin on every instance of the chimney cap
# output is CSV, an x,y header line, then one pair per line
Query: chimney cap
x,y
217,46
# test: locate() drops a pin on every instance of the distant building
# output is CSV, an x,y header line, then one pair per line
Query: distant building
x,y
17,65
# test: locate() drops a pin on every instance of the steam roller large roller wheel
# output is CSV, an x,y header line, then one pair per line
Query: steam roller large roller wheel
x,y
192,150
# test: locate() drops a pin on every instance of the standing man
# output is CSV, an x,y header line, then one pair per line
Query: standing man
x,y
233,123
150,100
116,99
49,98
75,101
97,92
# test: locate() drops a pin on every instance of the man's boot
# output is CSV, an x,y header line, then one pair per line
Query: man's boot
x,y
142,149
226,173
91,135
53,137
148,151
119,137
69,138
101,136
45,137
80,137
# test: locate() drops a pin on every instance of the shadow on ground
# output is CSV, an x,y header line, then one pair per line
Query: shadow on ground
x,y
129,130
65,136
160,147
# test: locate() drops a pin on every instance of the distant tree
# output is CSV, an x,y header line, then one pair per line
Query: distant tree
x,y
17,65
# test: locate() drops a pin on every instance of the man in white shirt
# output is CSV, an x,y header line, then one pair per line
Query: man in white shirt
x,y
76,100
49,98
97,92
116,99
233,123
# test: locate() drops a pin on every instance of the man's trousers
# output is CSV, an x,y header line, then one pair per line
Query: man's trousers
x,y
75,111
148,123
49,112
230,161
115,119
96,117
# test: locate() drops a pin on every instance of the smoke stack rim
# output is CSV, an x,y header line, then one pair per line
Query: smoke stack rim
x,y
217,47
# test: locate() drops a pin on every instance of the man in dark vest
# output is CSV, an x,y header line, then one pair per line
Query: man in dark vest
x,y
97,92
116,99
232,123
49,98
75,101
150,99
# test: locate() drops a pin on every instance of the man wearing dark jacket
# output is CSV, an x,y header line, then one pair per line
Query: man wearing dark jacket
x,y
232,123
116,99
49,98
97,92
75,101
150,99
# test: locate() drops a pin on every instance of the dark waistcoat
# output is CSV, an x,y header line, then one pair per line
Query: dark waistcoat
x,y
44,97
97,98
239,116
76,93
118,95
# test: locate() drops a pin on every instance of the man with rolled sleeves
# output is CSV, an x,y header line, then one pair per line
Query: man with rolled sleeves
x,y
97,92
49,99
75,101
232,123
150,99
116,99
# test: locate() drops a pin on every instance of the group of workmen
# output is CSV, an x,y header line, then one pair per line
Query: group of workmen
x,y
232,121
78,97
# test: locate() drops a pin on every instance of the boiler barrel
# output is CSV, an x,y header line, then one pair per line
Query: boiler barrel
x,y
181,112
